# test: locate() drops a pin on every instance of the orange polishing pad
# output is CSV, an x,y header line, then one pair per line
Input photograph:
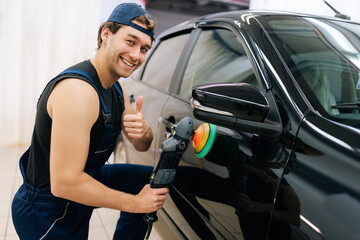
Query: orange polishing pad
x,y
201,137
199,133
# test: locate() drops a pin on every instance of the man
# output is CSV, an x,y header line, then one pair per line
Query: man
x,y
79,116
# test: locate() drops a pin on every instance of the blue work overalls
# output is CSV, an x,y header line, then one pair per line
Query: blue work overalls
x,y
37,214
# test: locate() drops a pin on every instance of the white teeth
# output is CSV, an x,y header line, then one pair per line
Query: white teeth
x,y
127,63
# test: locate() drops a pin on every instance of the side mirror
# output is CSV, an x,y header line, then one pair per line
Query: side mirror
x,y
235,105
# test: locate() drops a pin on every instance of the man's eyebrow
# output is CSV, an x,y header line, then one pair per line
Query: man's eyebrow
x,y
136,38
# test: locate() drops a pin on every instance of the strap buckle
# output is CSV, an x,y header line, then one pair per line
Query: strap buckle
x,y
106,117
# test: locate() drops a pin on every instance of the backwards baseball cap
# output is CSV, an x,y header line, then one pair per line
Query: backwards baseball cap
x,y
126,12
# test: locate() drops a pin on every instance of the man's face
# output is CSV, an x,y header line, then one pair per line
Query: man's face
x,y
126,50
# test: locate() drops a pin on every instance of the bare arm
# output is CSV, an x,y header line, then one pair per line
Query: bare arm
x,y
74,107
136,129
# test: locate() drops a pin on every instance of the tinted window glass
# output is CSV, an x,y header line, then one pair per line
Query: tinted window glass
x,y
323,57
160,68
218,57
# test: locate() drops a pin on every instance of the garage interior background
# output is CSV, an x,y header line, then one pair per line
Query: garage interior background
x,y
39,38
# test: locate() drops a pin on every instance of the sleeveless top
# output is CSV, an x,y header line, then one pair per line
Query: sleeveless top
x,y
38,172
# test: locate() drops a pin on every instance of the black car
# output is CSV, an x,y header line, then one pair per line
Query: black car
x,y
284,92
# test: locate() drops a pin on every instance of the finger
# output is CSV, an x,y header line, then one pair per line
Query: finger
x,y
139,103
133,130
132,118
133,123
135,136
162,190
158,208
161,198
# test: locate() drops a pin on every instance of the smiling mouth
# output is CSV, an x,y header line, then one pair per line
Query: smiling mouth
x,y
129,64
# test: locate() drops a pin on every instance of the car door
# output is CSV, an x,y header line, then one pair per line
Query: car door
x,y
153,81
208,192
319,184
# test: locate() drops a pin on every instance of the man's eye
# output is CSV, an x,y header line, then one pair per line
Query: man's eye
x,y
130,42
145,50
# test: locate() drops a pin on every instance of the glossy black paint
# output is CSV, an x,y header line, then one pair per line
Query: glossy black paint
x,y
242,100
287,172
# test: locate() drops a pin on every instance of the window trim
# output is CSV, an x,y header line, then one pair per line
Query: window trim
x,y
183,61
199,28
148,59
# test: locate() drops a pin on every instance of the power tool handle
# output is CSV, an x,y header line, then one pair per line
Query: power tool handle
x,y
151,217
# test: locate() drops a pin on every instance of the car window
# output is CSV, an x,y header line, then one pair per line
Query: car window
x,y
218,57
323,57
160,66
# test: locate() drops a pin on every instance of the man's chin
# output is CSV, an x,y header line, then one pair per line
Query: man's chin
x,y
123,74
126,75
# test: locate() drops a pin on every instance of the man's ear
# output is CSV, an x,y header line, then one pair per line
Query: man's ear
x,y
105,32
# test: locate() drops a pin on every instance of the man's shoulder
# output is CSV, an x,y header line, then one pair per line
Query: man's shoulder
x,y
74,97
76,86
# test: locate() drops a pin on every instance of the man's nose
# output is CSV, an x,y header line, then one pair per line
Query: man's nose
x,y
135,54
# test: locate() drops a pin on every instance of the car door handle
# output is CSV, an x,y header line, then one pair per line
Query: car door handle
x,y
167,122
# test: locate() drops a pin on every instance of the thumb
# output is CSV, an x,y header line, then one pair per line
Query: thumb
x,y
139,103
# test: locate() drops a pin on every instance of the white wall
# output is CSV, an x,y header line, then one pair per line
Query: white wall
x,y
317,7
106,7
39,39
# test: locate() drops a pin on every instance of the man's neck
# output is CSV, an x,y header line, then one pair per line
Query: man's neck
x,y
105,76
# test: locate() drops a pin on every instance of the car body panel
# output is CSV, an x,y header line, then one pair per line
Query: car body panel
x,y
299,181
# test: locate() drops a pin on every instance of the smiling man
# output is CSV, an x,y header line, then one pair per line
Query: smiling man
x,y
80,114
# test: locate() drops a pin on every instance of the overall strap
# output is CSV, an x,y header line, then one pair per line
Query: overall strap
x,y
120,92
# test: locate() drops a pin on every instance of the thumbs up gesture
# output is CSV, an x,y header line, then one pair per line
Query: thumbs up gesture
x,y
139,103
134,124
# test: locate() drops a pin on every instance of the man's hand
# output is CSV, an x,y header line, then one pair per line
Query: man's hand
x,y
134,124
150,199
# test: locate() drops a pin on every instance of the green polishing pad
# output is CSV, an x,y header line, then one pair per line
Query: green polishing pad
x,y
209,143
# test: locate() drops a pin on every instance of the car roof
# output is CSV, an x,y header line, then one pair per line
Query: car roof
x,y
237,15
